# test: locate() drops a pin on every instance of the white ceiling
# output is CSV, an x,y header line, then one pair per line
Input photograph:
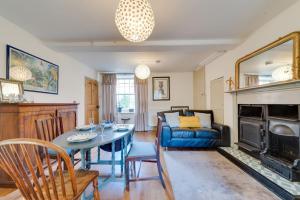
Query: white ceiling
x,y
186,31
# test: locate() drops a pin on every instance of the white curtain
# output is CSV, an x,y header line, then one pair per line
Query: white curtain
x,y
141,104
109,99
251,80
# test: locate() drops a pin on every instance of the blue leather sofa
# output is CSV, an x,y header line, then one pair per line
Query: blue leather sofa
x,y
218,135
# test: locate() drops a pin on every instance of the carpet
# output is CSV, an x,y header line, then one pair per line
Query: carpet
x,y
207,175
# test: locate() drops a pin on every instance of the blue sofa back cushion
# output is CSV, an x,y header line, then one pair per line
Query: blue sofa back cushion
x,y
192,113
162,114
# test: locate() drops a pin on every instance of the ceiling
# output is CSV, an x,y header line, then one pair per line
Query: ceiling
x,y
187,32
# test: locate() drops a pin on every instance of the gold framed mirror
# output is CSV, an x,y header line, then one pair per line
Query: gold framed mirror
x,y
272,64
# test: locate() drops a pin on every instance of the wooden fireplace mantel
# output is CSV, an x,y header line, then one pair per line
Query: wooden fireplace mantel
x,y
17,120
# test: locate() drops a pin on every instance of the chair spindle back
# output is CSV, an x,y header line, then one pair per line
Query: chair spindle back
x,y
50,128
35,176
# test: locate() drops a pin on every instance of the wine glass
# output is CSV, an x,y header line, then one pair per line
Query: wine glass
x,y
91,122
102,126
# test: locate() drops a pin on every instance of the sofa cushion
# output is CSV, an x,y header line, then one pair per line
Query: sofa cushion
x,y
182,133
192,113
204,119
190,121
162,114
172,119
206,133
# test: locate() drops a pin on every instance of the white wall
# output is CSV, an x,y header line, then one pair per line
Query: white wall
x,y
71,72
286,22
181,89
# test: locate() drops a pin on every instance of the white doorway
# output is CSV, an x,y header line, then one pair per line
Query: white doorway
x,y
217,99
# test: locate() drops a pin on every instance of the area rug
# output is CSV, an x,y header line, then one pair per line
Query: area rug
x,y
208,175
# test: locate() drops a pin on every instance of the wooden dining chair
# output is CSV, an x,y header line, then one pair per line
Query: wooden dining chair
x,y
145,152
37,178
50,128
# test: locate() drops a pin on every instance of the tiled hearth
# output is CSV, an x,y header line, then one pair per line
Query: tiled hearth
x,y
279,185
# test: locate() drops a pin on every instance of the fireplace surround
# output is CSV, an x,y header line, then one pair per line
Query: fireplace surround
x,y
270,132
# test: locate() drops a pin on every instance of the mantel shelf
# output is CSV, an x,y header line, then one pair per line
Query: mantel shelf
x,y
268,87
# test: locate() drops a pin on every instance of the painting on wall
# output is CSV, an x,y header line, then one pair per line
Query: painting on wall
x,y
161,88
44,75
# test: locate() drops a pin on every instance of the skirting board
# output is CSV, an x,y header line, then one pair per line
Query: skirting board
x,y
275,188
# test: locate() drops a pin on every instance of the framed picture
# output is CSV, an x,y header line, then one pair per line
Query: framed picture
x,y
44,74
9,88
161,88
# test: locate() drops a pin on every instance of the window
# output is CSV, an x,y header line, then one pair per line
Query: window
x,y
125,93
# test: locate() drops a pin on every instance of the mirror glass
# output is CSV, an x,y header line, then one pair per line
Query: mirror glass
x,y
271,66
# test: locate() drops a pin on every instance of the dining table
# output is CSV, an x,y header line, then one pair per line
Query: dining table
x,y
104,137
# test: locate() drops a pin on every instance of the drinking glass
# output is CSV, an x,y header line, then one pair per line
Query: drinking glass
x,y
102,126
91,121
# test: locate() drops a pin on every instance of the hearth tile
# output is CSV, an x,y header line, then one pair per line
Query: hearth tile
x,y
291,187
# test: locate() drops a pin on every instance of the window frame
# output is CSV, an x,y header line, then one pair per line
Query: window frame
x,y
130,93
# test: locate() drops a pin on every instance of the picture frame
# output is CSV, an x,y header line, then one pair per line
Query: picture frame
x,y
45,75
161,88
184,108
10,87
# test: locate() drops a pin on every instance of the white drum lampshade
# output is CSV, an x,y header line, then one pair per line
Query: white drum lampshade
x,y
20,73
135,19
142,72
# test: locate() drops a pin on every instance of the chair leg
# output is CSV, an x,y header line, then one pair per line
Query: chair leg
x,y
134,168
127,174
96,191
139,170
98,154
159,167
72,157
88,158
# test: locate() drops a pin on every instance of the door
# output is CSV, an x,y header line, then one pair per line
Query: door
x,y
91,101
217,99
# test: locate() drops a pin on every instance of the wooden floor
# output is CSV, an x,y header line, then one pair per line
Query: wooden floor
x,y
144,190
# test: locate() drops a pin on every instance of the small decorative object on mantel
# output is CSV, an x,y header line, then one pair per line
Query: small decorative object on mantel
x,y
11,91
38,75
161,88
229,84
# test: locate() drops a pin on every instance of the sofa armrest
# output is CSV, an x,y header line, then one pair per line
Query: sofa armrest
x,y
225,133
165,134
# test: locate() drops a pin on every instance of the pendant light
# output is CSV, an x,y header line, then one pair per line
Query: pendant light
x,y
135,19
142,72
283,73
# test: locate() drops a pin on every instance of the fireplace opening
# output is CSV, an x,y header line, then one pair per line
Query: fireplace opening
x,y
270,132
284,147
284,140
251,111
289,112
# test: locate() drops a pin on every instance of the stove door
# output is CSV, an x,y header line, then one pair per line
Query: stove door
x,y
250,133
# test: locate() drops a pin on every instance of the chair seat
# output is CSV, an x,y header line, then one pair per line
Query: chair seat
x,y
142,149
83,179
